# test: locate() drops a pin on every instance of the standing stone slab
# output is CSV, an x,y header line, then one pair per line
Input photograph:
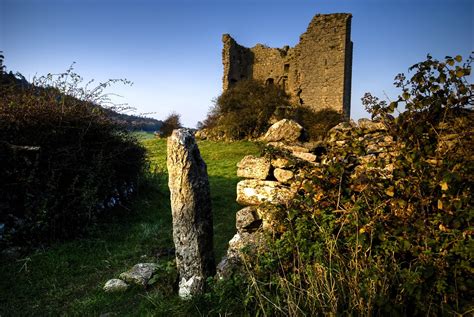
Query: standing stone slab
x,y
192,213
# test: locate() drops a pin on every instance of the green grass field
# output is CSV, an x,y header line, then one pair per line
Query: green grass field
x,y
67,278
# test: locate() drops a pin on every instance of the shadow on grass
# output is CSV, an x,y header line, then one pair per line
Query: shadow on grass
x,y
67,277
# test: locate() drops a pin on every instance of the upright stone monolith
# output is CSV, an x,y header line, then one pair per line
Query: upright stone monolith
x,y
192,213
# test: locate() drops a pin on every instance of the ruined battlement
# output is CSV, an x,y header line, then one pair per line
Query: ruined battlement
x,y
316,73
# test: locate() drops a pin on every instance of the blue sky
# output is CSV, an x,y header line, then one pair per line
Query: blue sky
x,y
171,50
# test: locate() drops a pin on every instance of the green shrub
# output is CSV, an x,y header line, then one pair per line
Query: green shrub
x,y
61,156
393,246
317,123
244,110
171,122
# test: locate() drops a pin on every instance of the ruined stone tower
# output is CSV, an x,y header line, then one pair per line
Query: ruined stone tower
x,y
316,73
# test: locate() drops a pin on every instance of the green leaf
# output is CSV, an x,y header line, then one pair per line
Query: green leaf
x,y
392,106
450,62
406,95
458,58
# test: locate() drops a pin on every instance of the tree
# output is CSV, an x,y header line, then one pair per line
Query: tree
x,y
245,109
171,122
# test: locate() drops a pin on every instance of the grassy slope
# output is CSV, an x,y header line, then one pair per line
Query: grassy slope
x,y
67,278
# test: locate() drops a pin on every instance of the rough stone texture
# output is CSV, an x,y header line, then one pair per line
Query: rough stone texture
x,y
288,147
310,157
281,162
316,73
370,126
115,285
283,176
253,167
140,273
255,192
247,220
191,211
242,240
283,130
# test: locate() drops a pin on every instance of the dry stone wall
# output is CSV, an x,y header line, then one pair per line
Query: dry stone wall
x,y
275,178
316,73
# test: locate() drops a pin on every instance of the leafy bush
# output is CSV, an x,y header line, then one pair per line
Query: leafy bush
x,y
317,123
244,110
61,156
171,122
387,246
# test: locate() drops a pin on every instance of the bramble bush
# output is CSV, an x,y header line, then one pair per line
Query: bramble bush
x,y
399,245
244,110
60,154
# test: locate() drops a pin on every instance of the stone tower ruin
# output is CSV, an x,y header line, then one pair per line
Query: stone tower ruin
x,y
316,73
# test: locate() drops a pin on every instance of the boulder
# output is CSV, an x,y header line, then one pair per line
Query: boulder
x,y
255,192
140,273
283,130
115,285
283,176
253,167
191,211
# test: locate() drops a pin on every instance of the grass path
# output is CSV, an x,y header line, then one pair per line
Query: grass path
x,y
67,278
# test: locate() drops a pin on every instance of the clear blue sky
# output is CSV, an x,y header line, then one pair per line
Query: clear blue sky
x,y
171,50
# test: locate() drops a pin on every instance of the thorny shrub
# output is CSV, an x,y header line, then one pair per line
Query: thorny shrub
x,y
399,245
60,155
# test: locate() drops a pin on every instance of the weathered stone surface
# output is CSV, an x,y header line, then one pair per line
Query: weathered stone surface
x,y
191,211
247,220
305,156
242,240
232,262
255,192
283,130
283,176
115,285
368,125
342,127
253,167
325,48
140,273
281,162
291,148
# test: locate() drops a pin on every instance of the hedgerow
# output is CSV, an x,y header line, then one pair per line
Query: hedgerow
x,y
62,157
378,245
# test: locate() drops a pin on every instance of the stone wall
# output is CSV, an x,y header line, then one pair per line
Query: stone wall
x,y
275,178
316,73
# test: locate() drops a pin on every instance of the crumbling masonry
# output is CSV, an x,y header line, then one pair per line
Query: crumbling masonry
x,y
316,73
